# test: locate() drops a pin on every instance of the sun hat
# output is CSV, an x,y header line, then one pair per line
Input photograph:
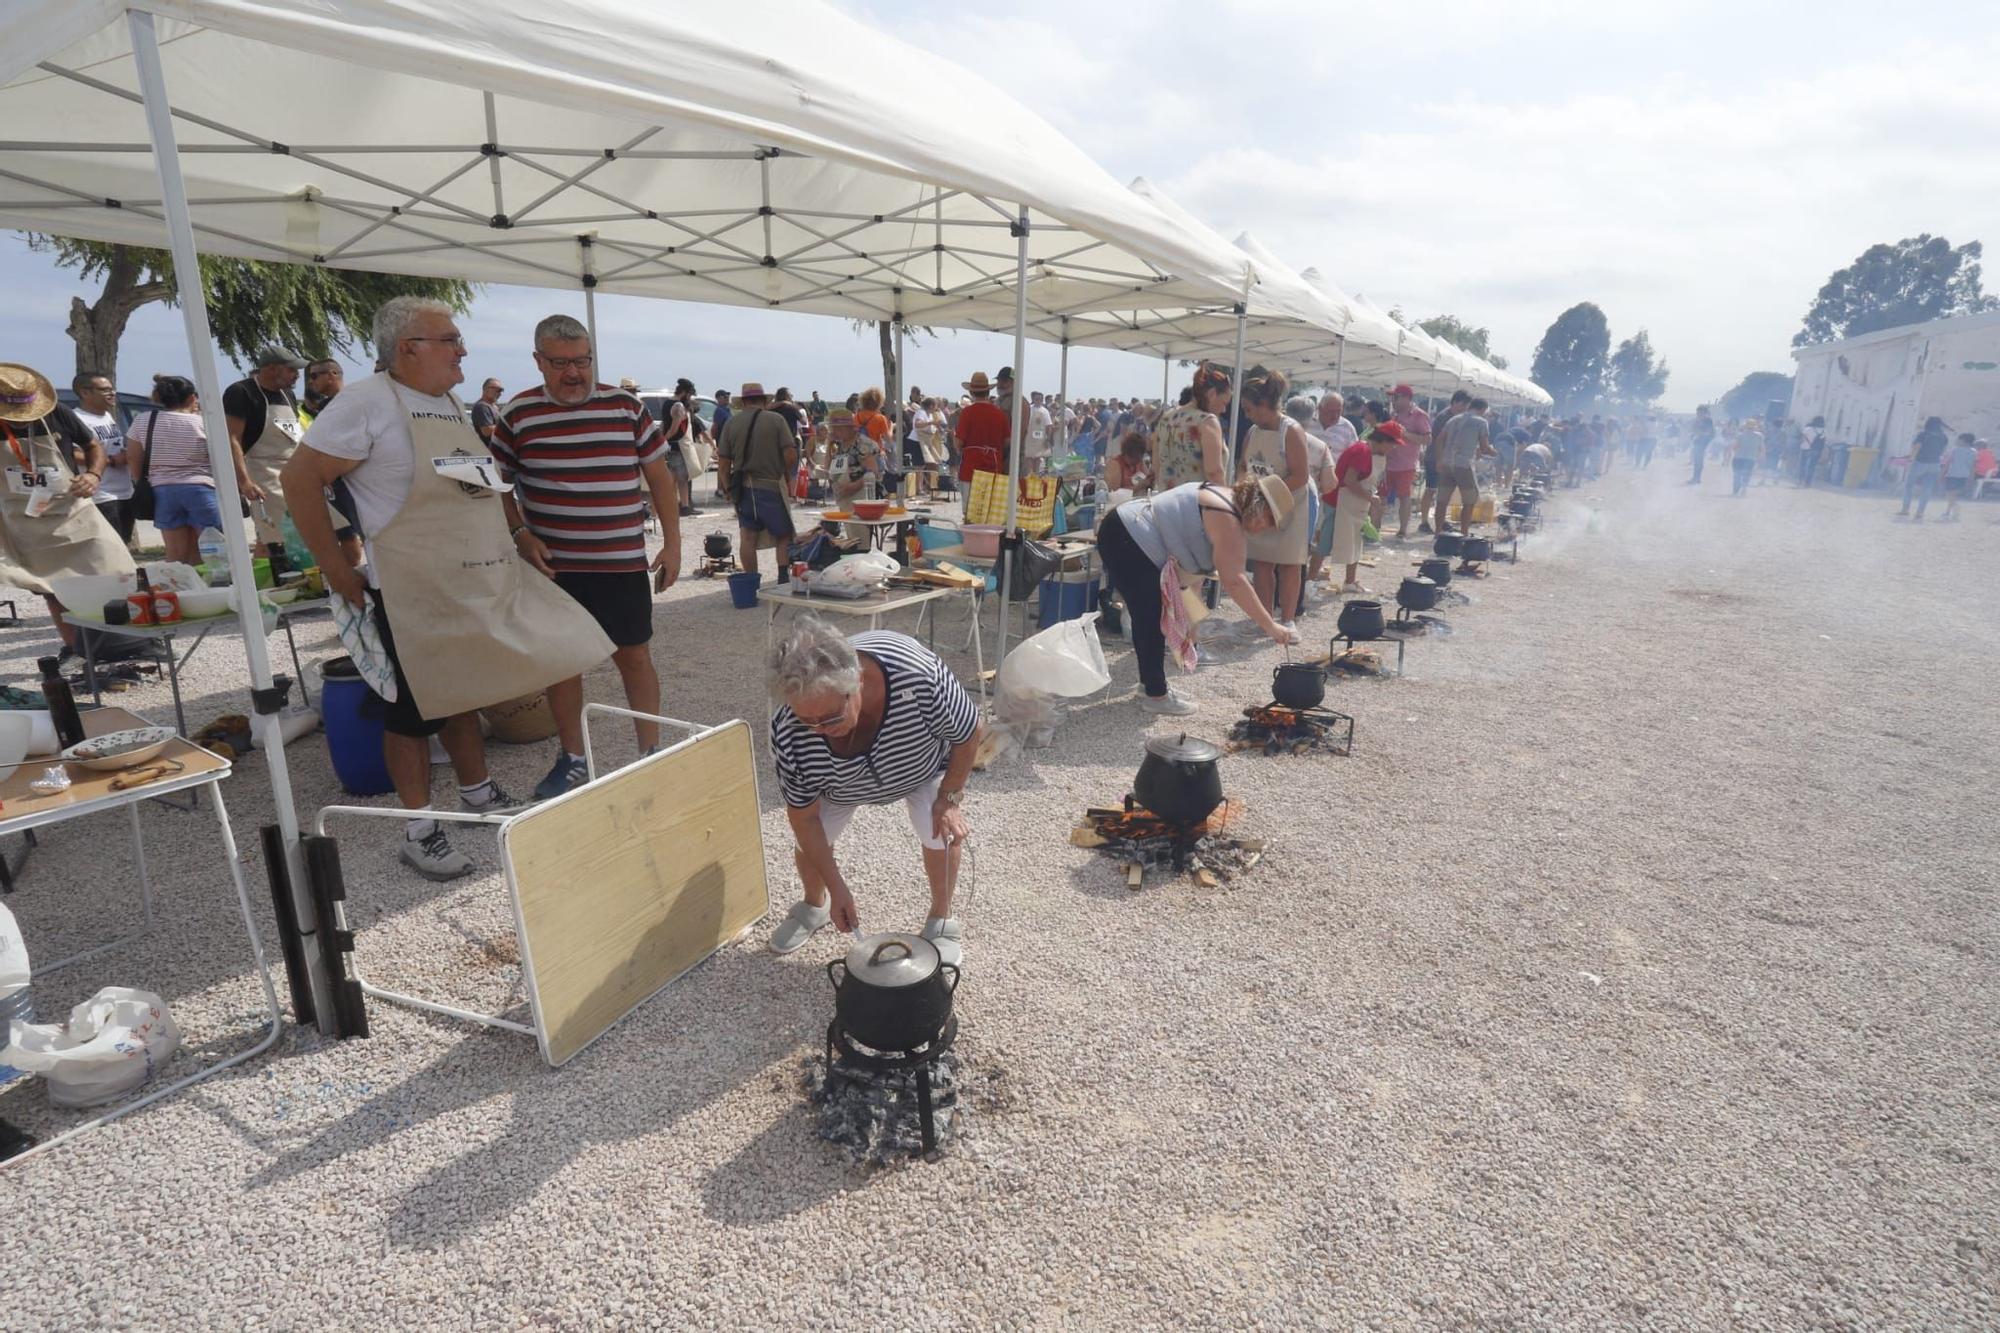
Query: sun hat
x,y
979,383
839,416
25,393
1278,496
1402,391
275,355
752,391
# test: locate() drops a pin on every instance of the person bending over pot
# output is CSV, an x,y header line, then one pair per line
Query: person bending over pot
x,y
866,721
1150,545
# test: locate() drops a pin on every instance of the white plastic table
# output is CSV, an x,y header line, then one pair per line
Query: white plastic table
x,y
875,606
166,634
22,810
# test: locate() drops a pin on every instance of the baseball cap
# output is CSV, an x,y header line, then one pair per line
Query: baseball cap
x,y
279,356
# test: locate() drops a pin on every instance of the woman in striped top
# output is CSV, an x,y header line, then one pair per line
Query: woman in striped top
x,y
866,721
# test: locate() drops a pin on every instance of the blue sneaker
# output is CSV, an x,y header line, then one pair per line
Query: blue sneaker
x,y
567,775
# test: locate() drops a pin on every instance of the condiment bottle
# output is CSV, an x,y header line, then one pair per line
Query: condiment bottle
x,y
62,703
166,606
141,601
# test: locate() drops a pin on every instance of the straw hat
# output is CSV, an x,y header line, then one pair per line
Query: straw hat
x,y
1279,497
25,394
979,383
751,391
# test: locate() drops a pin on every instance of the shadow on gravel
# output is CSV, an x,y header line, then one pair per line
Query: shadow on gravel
x,y
784,1171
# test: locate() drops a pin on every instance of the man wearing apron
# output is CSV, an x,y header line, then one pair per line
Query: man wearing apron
x,y
264,422
464,620
49,525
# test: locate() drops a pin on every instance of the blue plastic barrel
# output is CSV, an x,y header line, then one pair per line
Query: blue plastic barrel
x,y
351,716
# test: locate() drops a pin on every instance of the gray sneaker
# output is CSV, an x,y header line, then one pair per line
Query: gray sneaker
x,y
434,857
800,924
947,934
497,800
1166,705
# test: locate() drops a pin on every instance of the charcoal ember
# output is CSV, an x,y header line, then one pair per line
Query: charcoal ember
x,y
872,1113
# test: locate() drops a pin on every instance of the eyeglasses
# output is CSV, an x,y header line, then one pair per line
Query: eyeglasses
x,y
456,340
569,362
822,723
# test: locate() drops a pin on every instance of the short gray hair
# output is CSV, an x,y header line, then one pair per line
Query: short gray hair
x,y
1300,408
1338,399
395,317
814,656
559,329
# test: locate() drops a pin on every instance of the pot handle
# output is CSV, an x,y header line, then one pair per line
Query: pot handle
x,y
887,945
840,963
947,967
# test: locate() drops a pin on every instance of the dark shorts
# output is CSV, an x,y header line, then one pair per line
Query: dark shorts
x,y
118,513
621,603
1956,485
401,718
760,510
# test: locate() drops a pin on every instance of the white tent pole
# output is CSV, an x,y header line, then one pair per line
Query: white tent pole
x,y
1339,366
1166,378
1236,389
1063,385
902,390
222,463
1020,420
590,301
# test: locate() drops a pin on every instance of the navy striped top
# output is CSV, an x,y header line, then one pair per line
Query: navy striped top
x,y
927,712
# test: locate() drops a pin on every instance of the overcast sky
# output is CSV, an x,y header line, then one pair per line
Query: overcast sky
x,y
1696,168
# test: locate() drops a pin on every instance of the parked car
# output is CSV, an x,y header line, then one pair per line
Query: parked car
x,y
700,455
129,404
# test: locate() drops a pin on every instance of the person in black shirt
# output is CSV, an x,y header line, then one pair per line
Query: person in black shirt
x,y
1926,465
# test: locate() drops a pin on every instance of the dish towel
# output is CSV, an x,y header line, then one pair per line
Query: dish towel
x,y
1176,626
362,638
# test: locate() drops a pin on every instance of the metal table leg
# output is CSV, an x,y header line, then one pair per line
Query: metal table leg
x,y
145,903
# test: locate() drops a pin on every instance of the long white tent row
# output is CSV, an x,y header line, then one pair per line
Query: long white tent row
x,y
620,146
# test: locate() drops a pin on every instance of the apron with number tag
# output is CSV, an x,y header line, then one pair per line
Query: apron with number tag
x,y
474,623
266,459
45,532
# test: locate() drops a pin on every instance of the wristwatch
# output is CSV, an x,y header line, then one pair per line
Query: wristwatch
x,y
954,798
514,533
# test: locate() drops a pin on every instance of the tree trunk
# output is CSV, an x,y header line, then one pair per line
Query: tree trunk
x,y
98,328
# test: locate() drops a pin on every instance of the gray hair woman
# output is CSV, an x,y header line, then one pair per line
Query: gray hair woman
x,y
866,721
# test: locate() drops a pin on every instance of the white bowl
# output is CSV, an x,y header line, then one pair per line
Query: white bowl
x,y
207,602
86,594
119,749
16,731
282,596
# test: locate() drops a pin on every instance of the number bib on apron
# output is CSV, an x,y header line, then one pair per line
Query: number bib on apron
x,y
474,623
45,532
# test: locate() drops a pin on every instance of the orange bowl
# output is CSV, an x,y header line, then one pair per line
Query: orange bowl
x,y
870,510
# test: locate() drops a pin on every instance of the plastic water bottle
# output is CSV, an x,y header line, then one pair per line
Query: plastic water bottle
x,y
215,554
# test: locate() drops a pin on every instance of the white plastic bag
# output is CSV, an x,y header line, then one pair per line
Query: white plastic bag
x,y
114,1042
866,570
1065,660
14,969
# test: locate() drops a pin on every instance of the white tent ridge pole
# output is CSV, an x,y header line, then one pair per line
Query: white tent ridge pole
x,y
1011,532
1339,366
194,315
585,245
902,390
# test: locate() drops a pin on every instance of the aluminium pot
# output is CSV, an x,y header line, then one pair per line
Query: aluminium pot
x,y
1180,779
1299,684
1476,549
1437,570
1447,544
1417,594
1361,619
892,992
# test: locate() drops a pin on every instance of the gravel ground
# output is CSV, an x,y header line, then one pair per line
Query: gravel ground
x,y
1637,970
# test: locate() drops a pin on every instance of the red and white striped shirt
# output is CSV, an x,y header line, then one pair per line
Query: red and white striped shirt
x,y
576,475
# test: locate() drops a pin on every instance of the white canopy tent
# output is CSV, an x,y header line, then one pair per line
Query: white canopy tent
x,y
609,145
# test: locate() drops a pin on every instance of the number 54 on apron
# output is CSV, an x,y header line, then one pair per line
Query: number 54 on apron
x,y
474,623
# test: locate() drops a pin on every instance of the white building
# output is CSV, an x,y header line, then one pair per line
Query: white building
x,y
1876,390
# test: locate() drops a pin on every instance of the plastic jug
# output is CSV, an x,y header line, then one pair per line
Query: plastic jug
x,y
215,555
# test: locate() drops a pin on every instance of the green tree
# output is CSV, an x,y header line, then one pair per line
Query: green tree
x,y
1451,329
1918,278
312,309
1573,356
1638,376
1754,396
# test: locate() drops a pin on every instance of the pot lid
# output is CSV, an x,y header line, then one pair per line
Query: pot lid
x,y
1183,749
892,959
1420,581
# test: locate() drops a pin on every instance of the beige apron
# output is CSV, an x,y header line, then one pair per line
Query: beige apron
x,y
266,459
474,623
70,536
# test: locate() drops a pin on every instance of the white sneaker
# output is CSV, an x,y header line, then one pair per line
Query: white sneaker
x,y
434,857
1166,705
800,924
946,933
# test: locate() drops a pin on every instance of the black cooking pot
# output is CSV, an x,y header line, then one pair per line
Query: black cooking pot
x,y
715,546
1437,570
1361,620
1476,549
891,992
1179,779
1447,543
1299,685
1417,594
1521,505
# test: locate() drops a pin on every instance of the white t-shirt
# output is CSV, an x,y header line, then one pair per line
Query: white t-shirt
x,y
370,423
1038,431
116,483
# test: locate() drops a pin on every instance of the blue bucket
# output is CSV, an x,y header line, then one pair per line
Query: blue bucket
x,y
743,588
352,716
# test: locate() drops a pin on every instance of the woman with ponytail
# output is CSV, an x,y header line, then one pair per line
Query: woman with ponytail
x,y
1187,441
